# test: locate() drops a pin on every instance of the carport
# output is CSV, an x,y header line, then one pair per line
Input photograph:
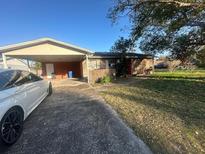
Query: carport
x,y
57,57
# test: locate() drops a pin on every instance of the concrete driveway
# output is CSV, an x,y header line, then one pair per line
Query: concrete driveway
x,y
75,120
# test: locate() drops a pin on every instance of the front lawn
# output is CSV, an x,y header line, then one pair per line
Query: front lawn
x,y
166,113
185,74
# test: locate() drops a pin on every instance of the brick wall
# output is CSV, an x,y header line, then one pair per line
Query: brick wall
x,y
95,75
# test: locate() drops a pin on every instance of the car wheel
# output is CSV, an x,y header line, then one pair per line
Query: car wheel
x,y
50,90
11,126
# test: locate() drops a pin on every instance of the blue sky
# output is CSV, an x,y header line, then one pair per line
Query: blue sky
x,y
80,22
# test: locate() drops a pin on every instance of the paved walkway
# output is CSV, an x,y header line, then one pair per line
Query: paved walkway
x,y
75,120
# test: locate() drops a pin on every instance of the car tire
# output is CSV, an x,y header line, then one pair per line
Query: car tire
x,y
11,126
50,90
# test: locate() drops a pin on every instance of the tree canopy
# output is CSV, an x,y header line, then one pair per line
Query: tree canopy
x,y
174,25
122,45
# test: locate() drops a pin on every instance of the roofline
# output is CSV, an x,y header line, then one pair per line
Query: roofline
x,y
103,57
118,57
40,41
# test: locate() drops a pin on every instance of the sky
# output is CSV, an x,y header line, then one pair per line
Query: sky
x,y
79,22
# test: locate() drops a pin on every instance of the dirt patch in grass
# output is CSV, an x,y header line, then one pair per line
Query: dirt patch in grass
x,y
169,115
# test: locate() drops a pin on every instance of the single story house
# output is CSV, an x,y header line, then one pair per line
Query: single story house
x,y
58,58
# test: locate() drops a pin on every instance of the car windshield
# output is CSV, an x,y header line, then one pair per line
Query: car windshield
x,y
8,78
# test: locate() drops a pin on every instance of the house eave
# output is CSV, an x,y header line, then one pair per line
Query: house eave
x,y
42,41
118,57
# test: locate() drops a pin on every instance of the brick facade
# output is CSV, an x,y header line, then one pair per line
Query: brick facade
x,y
97,74
98,68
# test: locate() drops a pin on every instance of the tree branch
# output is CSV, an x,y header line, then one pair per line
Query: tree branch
x,y
181,4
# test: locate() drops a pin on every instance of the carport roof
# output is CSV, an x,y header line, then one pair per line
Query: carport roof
x,y
40,41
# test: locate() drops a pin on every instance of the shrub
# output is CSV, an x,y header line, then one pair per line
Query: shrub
x,y
105,79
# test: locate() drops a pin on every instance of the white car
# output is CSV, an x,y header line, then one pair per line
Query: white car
x,y
20,93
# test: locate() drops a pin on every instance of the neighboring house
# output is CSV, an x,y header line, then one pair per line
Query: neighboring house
x,y
58,58
14,63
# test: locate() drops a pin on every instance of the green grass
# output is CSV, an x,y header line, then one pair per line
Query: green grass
x,y
166,113
186,74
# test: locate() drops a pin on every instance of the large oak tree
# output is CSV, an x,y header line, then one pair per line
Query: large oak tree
x,y
177,26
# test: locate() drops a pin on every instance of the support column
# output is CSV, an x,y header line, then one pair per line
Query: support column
x,y
4,61
87,66
106,64
28,64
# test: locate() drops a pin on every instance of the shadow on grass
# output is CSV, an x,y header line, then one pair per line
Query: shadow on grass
x,y
184,98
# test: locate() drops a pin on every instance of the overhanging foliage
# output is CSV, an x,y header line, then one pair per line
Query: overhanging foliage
x,y
167,17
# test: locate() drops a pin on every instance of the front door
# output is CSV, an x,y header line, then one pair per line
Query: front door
x,y
49,70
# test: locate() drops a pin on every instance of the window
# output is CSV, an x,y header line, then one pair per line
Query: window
x,y
94,64
111,63
12,78
8,79
27,77
34,77
23,79
100,64
97,64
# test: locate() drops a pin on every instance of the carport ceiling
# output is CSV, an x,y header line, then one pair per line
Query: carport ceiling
x,y
51,58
